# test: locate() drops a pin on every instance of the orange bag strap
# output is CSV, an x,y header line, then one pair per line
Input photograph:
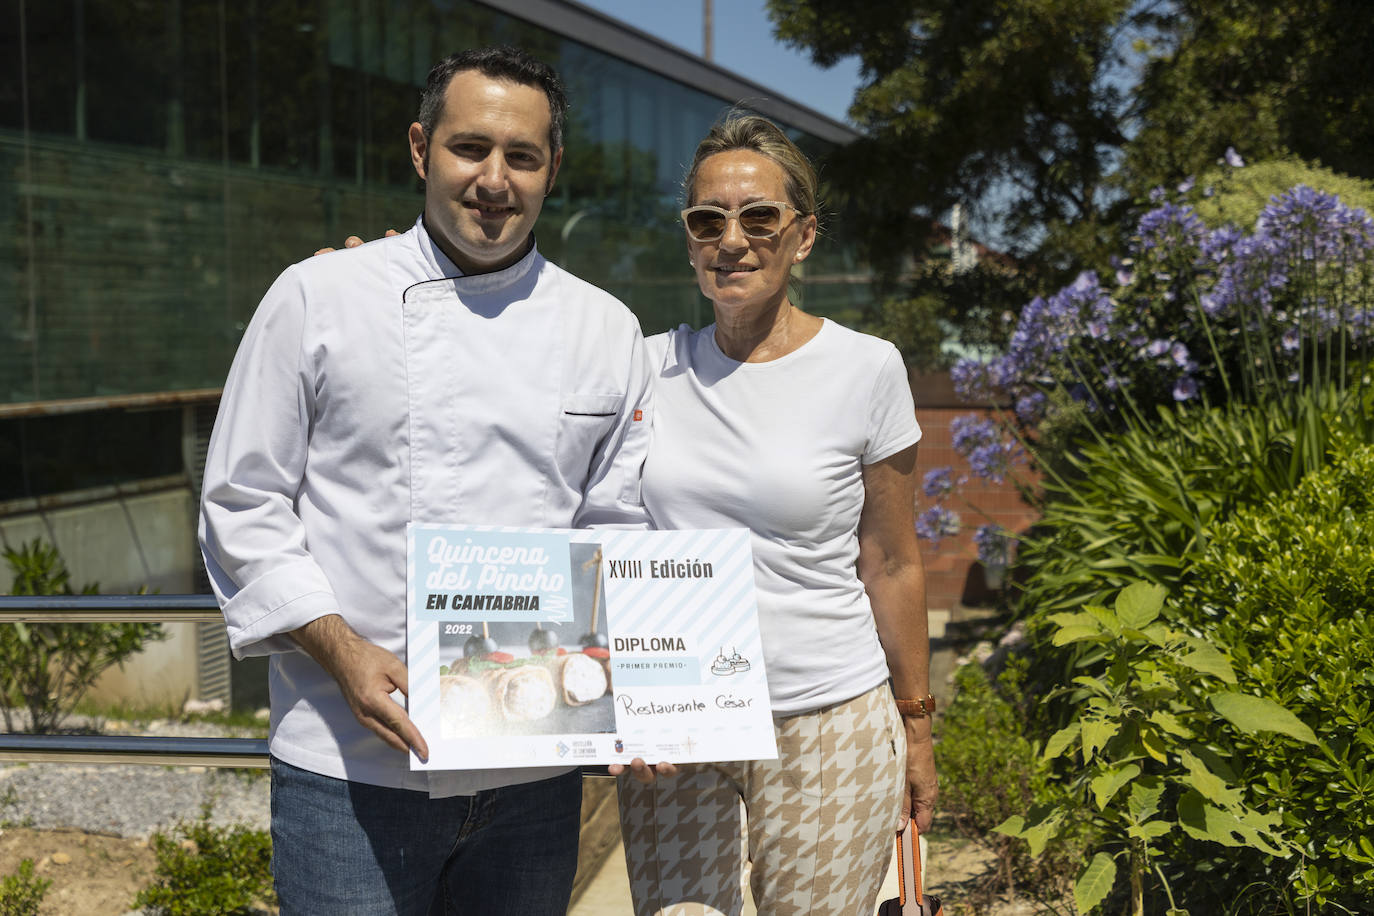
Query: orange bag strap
x,y
916,867
916,857
901,874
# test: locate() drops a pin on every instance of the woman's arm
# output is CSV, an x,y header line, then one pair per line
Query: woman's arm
x,y
891,570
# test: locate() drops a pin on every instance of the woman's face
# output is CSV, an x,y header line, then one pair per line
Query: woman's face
x,y
737,272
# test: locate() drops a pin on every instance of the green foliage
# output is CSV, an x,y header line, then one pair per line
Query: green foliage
x,y
1144,754
1139,505
47,667
989,774
947,312
204,870
21,893
1286,584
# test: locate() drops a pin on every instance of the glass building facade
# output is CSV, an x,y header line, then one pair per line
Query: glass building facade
x,y
161,161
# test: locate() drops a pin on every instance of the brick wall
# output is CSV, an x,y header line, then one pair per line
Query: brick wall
x,y
953,574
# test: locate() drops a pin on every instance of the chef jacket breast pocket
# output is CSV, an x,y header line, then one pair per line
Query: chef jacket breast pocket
x,y
585,421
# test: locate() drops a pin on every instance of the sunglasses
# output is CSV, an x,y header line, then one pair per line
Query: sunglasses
x,y
760,220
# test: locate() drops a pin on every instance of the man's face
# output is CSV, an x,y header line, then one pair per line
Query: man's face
x,y
487,167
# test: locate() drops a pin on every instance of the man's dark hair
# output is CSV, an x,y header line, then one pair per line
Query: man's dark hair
x,y
500,63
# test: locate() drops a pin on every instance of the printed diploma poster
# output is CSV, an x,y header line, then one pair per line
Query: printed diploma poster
x,y
538,647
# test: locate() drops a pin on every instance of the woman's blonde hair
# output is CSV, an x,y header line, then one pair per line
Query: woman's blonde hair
x,y
747,131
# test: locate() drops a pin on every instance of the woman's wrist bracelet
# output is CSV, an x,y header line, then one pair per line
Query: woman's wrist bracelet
x,y
919,708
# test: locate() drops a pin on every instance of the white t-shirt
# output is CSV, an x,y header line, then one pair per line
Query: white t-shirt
x,y
778,448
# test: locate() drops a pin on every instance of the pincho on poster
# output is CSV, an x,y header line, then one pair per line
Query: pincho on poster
x,y
541,646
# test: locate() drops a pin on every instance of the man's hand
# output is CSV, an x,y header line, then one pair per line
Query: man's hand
x,y
367,675
353,242
922,787
643,772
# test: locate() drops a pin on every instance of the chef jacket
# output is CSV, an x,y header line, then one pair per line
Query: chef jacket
x,y
378,386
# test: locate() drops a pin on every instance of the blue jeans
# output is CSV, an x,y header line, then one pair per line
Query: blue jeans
x,y
349,849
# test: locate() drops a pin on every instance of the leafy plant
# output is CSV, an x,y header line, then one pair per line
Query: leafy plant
x,y
1144,754
205,870
947,309
48,667
1141,505
22,892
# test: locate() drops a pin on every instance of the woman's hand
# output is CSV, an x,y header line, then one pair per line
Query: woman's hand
x,y
353,242
922,785
643,772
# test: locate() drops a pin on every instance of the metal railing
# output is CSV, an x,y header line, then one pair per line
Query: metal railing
x,y
151,749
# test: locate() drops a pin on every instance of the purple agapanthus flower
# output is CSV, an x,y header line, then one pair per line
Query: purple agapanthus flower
x,y
1157,348
969,431
1217,245
1232,158
1185,388
1168,229
972,380
938,482
994,544
1030,408
993,460
937,523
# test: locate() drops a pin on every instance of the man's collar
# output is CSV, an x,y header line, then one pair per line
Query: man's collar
x,y
442,267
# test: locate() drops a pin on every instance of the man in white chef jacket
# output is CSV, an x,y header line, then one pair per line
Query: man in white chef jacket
x,y
446,375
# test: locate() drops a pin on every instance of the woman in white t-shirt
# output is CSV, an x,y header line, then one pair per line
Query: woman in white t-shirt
x,y
804,432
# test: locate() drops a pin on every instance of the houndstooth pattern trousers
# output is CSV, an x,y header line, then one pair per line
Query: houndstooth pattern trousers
x,y
820,820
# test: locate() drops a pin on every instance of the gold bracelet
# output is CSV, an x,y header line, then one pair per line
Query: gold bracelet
x,y
918,708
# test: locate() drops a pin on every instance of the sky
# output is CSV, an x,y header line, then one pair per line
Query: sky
x,y
744,43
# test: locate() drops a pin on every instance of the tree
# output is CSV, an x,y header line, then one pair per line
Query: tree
x,y
1053,119
1017,106
1267,78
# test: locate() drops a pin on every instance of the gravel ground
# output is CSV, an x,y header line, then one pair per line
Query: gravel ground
x,y
132,800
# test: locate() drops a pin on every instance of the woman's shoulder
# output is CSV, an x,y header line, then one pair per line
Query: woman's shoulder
x,y
674,345
869,347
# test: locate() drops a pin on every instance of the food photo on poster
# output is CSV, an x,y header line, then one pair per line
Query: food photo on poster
x,y
517,678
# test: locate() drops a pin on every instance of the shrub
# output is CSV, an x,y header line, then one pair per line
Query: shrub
x,y
947,309
1237,196
48,667
1286,586
22,893
204,870
1273,568
1184,410
1193,315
